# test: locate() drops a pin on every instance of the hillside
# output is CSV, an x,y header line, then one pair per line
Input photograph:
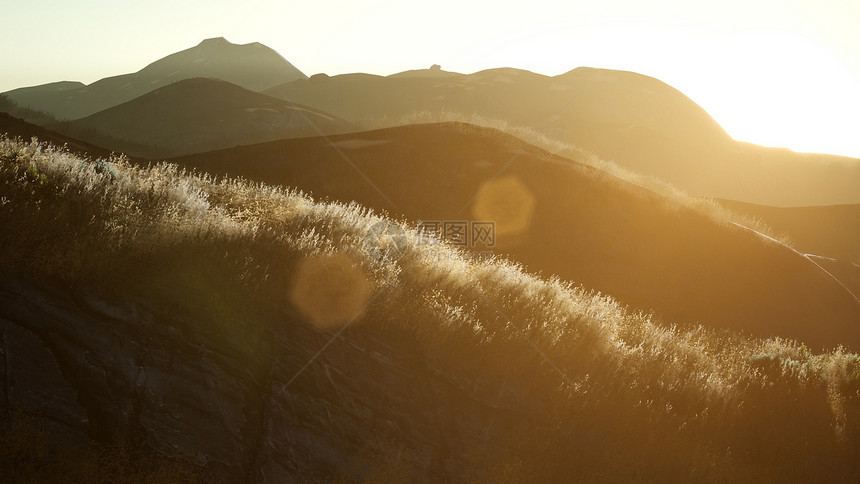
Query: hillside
x,y
559,217
830,231
197,115
636,121
14,127
252,66
144,306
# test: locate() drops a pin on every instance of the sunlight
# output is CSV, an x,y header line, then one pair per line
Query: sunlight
x,y
784,91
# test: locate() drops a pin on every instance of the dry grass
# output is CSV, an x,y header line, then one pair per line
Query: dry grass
x,y
625,398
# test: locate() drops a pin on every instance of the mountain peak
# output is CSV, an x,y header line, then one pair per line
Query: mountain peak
x,y
215,41
252,66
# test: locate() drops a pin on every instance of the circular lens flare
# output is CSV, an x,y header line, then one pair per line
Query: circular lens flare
x,y
330,290
507,202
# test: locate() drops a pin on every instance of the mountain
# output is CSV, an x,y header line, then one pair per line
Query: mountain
x,y
43,98
196,115
252,66
27,96
559,217
635,121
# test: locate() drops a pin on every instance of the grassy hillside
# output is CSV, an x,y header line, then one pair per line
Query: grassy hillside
x,y
616,395
665,252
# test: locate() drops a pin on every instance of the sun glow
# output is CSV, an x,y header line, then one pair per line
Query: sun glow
x,y
771,72
785,91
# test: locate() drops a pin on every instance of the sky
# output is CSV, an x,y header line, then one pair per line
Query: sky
x,y
772,72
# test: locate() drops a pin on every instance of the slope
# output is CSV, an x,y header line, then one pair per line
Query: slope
x,y
830,234
195,115
149,307
559,217
830,231
18,128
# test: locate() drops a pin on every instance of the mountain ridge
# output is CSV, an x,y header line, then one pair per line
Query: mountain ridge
x,y
253,66
635,121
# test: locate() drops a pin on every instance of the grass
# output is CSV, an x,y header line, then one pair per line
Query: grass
x,y
618,395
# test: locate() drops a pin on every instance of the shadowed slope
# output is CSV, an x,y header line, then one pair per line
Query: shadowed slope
x,y
205,114
830,231
252,66
15,127
586,226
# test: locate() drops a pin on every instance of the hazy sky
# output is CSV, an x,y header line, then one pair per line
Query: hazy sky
x,y
774,72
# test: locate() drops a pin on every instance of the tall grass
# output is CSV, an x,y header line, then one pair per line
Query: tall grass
x,y
617,395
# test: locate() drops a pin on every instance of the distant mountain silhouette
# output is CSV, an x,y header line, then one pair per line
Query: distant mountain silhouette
x,y
196,115
586,226
35,96
252,66
636,121
434,71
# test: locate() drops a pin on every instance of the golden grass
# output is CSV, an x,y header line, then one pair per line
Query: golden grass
x,y
625,397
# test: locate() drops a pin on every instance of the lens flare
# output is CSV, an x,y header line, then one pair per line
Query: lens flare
x,y
330,290
508,202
